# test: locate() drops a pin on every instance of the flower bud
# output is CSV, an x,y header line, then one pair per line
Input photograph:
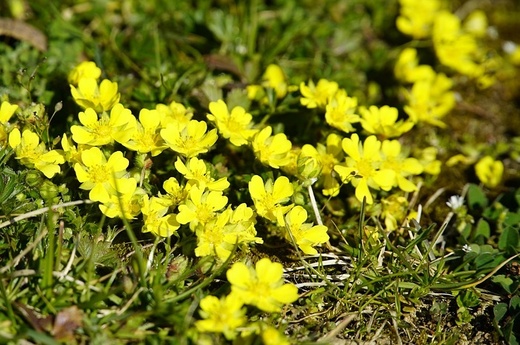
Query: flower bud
x,y
49,190
33,179
309,164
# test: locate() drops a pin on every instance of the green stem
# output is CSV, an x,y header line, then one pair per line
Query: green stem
x,y
8,305
48,262
360,228
204,283
141,264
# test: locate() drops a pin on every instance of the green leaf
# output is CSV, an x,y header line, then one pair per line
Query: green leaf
x,y
505,282
488,261
499,311
515,302
509,239
466,232
512,219
476,198
517,196
468,298
510,332
483,229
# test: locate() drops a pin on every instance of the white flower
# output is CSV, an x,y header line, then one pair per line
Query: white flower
x,y
455,202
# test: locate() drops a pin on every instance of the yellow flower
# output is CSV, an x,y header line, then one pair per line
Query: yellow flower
x,y
362,167
383,121
309,164
317,96
272,336
32,153
196,172
89,94
269,197
211,239
256,92
145,137
86,69
200,207
263,286
428,158
416,17
430,100
72,154
125,202
98,175
408,70
340,111
291,168
229,229
173,113
304,234
454,47
189,139
223,315
275,79
272,150
489,171
6,111
460,47
331,155
176,194
394,211
235,126
106,129
403,166
240,227
155,217
513,53
476,23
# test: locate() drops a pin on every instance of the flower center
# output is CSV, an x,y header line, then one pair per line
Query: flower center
x,y
99,174
365,168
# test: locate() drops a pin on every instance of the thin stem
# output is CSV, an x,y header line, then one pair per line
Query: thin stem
x,y
314,205
42,211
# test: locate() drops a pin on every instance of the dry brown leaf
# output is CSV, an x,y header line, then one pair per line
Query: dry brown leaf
x,y
66,322
23,32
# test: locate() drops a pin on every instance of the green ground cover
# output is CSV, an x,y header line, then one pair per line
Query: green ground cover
x,y
259,172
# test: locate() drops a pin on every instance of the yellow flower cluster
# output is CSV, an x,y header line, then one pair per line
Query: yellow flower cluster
x,y
430,97
488,170
378,165
375,164
458,44
269,199
237,126
262,287
384,165
88,93
34,154
197,202
416,17
27,146
273,87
